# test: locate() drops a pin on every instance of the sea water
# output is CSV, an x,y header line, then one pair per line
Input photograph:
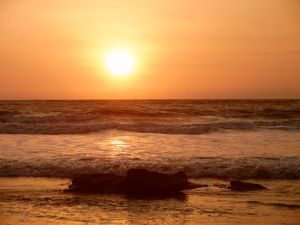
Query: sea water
x,y
45,143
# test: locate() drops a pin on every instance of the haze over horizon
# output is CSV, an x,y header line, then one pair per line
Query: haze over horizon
x,y
182,50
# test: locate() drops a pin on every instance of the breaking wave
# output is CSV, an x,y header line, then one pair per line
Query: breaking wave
x,y
197,167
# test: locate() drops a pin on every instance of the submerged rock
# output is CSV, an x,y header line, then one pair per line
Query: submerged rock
x,y
237,185
137,181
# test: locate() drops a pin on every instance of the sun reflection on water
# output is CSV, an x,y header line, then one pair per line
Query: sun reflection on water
x,y
117,146
118,143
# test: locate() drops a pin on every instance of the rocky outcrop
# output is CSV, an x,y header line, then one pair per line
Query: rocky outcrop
x,y
237,185
137,181
144,181
96,183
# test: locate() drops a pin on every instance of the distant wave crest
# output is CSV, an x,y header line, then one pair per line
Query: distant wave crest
x,y
144,127
149,116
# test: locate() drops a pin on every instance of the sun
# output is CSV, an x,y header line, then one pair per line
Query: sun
x,y
119,62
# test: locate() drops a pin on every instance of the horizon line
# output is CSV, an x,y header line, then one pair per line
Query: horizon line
x,y
144,99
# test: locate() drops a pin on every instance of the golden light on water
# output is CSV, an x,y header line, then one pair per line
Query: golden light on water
x,y
120,63
117,143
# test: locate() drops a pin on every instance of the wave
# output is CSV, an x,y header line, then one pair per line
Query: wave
x,y
15,116
148,116
276,204
48,119
197,167
144,127
9,113
68,111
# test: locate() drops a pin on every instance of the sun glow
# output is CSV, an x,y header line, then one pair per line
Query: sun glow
x,y
119,62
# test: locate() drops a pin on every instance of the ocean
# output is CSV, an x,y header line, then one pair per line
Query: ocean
x,y
45,143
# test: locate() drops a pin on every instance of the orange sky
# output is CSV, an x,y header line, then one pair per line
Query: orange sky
x,y
53,49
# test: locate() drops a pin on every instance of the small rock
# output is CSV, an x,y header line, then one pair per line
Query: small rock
x,y
237,185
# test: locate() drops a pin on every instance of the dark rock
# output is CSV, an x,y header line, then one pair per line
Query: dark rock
x,y
137,181
237,185
97,183
144,181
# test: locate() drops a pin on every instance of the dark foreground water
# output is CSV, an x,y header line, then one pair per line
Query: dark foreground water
x,y
41,201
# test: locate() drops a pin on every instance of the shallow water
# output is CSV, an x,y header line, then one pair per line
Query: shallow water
x,y
41,201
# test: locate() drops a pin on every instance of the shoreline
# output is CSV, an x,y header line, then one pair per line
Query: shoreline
x,y
42,201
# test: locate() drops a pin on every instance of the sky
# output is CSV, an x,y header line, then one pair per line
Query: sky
x,y
55,49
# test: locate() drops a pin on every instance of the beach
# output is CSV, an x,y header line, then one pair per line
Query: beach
x,y
43,144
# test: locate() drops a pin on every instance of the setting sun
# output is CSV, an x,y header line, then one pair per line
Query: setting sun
x,y
119,62
149,112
